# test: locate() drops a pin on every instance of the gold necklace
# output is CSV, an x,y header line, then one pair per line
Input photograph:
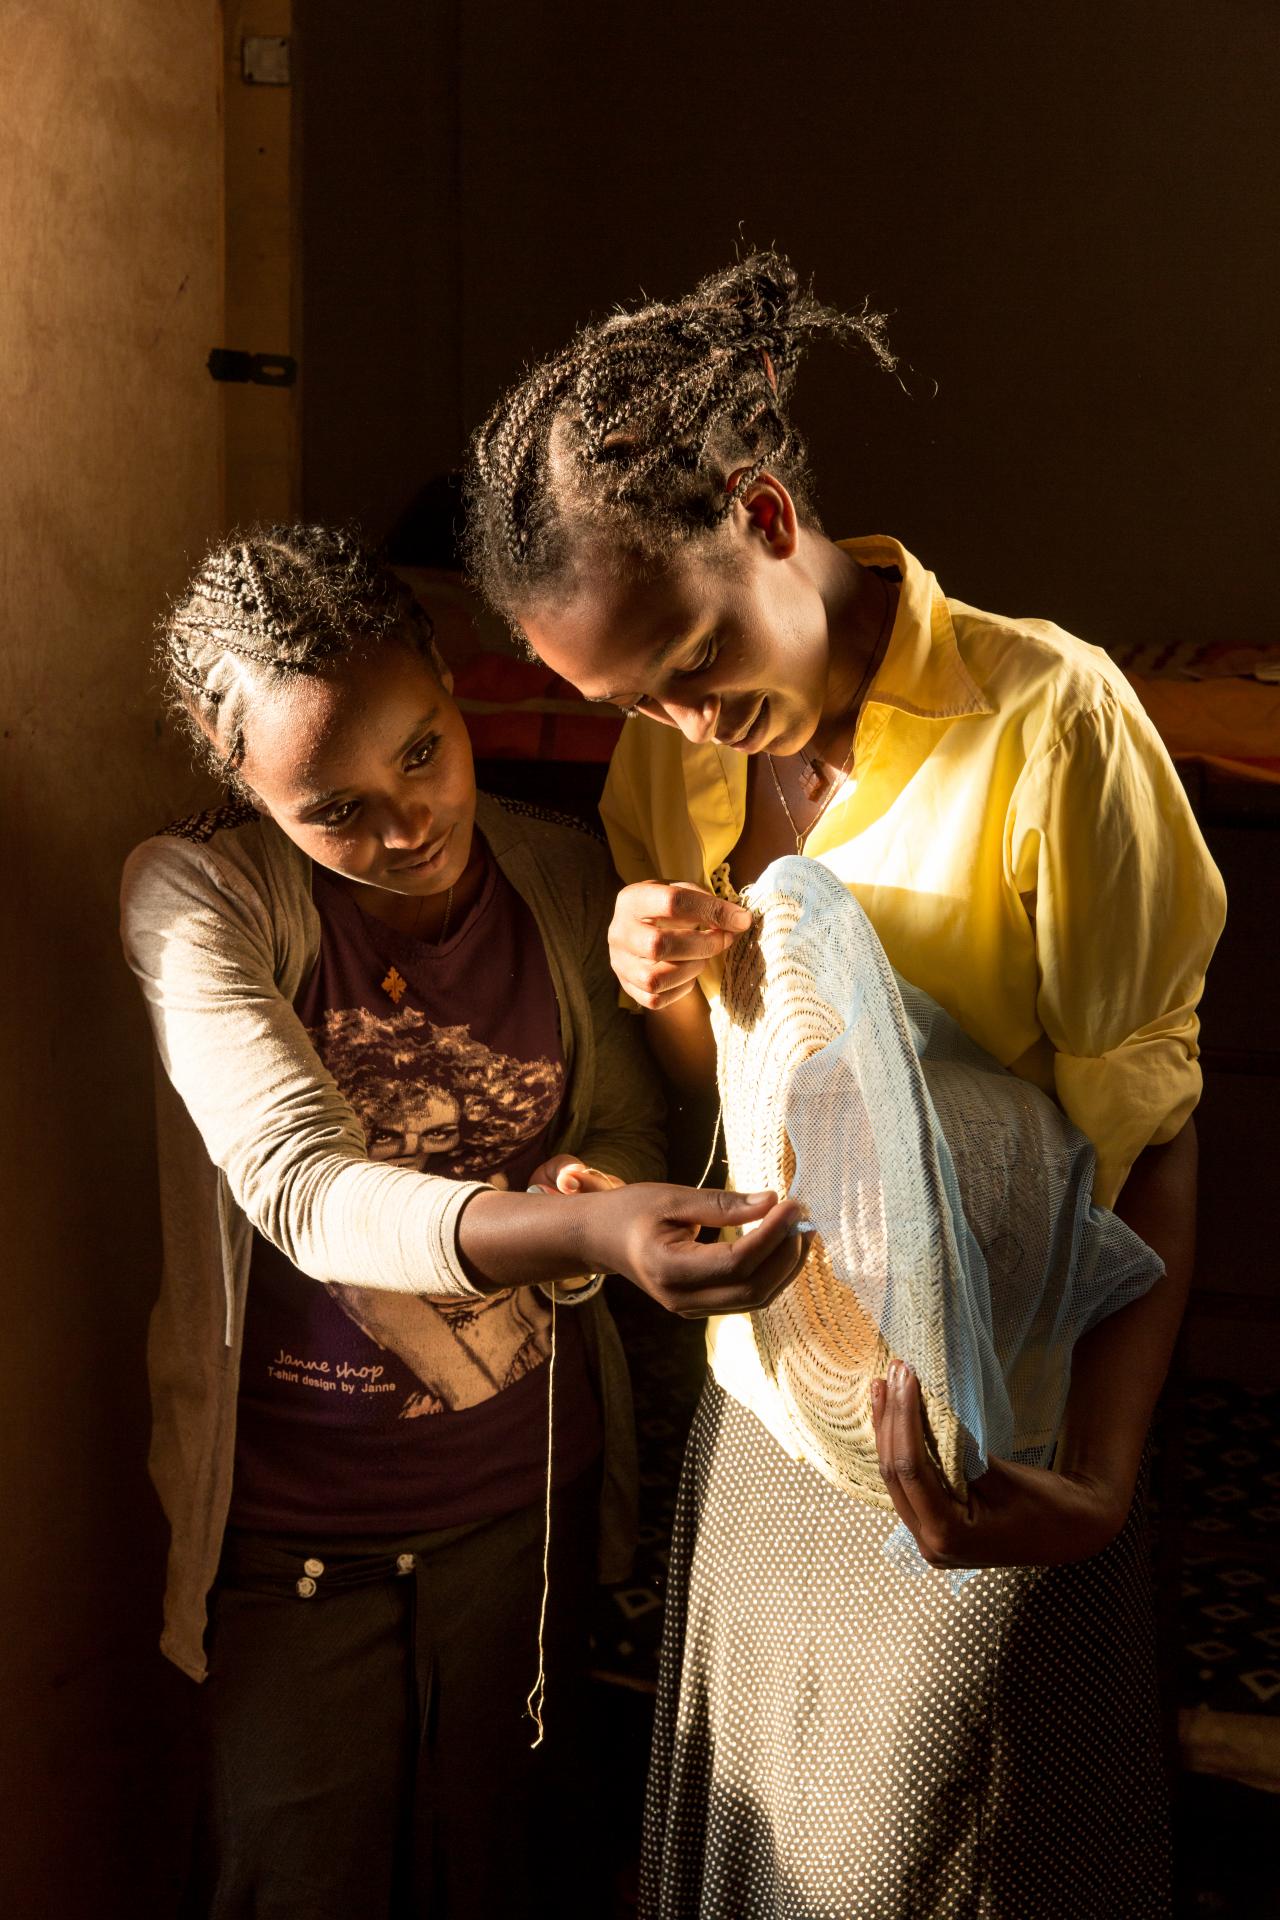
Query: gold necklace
x,y
801,837
846,765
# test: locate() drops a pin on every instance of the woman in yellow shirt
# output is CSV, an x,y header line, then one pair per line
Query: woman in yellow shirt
x,y
830,1741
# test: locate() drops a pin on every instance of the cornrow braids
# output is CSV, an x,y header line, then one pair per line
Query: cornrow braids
x,y
636,430
268,603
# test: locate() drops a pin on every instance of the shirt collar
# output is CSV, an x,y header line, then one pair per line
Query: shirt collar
x,y
922,672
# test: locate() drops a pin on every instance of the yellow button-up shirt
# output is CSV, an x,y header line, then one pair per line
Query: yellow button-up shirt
x,y
1020,841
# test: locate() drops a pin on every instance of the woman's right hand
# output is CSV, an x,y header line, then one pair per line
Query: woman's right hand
x,y
647,1232
650,1232
661,937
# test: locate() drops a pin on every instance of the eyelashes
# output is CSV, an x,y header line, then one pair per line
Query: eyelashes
x,y
709,656
340,816
423,753
415,760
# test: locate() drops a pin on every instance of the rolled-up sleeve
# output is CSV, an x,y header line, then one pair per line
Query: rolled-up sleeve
x,y
1128,907
198,937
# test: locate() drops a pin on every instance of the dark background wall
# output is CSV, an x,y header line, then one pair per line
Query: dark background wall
x,y
110,182
1068,210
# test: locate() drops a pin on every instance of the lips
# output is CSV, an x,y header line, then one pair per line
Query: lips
x,y
430,856
749,737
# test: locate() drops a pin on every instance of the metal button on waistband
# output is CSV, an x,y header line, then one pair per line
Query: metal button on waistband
x,y
314,1567
305,1587
405,1563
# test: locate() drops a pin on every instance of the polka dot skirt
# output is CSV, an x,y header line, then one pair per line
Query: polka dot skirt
x,y
835,1741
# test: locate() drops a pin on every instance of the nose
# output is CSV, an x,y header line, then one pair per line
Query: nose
x,y
697,723
405,827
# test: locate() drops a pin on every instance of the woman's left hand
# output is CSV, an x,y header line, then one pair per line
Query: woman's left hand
x,y
565,1173
1012,1516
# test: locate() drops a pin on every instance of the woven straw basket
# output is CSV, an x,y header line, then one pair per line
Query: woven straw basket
x,y
816,1341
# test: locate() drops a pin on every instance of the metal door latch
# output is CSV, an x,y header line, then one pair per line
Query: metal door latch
x,y
262,369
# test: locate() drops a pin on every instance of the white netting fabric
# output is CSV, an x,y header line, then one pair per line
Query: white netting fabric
x,y
951,1201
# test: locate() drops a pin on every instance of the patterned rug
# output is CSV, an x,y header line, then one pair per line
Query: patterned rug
x,y
1230,1619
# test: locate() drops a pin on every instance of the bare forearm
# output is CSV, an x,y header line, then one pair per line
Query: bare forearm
x,y
1022,1516
525,1239
1119,1368
682,1043
648,1232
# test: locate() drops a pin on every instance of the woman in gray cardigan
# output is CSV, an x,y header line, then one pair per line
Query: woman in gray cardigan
x,y
401,1118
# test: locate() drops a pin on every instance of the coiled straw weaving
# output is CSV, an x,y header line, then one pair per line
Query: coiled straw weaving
x,y
816,1340
951,1202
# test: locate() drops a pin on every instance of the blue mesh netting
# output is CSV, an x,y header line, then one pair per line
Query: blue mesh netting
x,y
953,1197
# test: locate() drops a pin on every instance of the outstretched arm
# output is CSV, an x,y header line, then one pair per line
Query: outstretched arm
x,y
649,1233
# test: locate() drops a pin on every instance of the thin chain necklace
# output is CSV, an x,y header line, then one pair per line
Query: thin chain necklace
x,y
444,924
846,765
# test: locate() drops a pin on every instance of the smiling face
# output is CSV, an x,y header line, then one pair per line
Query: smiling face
x,y
367,768
730,642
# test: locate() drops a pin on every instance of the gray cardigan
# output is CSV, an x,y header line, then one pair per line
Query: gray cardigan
x,y
219,927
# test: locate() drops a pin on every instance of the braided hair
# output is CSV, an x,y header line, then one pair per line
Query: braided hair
x,y
269,603
634,433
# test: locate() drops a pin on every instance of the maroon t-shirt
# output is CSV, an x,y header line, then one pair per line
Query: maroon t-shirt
x,y
363,1410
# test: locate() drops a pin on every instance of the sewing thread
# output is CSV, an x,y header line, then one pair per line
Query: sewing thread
x,y
538,1691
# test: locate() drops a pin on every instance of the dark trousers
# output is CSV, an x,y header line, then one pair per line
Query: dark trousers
x,y
366,1738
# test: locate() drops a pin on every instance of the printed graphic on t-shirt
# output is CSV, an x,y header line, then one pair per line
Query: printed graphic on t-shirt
x,y
433,1098
461,1072
433,1094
